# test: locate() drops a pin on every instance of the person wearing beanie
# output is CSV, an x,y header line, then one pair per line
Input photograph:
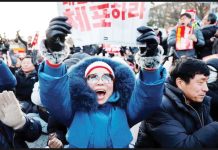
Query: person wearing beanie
x,y
213,86
99,99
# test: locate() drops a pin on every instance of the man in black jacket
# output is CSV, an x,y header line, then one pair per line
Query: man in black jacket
x,y
208,28
183,120
26,77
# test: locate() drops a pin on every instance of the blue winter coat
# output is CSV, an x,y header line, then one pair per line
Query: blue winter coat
x,y
7,79
178,125
69,99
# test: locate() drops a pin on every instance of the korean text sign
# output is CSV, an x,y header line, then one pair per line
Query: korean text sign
x,y
105,22
182,38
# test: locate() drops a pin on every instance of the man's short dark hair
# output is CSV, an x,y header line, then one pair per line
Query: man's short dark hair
x,y
188,15
28,56
212,18
187,68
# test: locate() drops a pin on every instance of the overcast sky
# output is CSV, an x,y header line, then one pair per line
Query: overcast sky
x,y
28,17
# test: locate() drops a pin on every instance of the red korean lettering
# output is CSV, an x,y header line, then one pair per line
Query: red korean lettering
x,y
85,18
115,11
100,13
141,10
118,9
136,9
68,3
69,13
78,18
73,3
81,2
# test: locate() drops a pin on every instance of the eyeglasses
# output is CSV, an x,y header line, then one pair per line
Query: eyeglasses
x,y
105,78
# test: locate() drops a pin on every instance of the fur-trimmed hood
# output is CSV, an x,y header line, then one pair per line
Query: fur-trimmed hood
x,y
86,99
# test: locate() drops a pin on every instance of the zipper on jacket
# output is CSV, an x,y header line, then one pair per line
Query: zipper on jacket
x,y
201,119
13,140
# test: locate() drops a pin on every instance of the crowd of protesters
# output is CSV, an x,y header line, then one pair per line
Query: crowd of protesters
x,y
89,97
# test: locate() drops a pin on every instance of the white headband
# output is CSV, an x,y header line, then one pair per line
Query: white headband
x,y
98,64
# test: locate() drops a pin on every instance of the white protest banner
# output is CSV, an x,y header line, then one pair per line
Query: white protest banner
x,y
105,22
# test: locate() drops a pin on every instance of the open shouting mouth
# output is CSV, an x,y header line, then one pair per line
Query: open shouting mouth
x,y
100,94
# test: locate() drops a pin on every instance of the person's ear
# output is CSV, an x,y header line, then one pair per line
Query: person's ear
x,y
180,83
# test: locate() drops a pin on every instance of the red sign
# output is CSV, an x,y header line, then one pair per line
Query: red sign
x,y
112,49
182,38
35,40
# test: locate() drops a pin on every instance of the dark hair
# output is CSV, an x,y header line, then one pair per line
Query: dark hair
x,y
212,18
122,50
186,14
213,62
28,56
187,68
130,58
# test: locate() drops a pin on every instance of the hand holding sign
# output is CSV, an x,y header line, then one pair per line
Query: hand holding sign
x,y
184,38
192,37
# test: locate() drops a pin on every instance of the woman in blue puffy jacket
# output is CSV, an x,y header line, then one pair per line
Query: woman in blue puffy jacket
x,y
99,99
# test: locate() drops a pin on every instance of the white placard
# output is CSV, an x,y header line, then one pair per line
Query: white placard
x,y
105,22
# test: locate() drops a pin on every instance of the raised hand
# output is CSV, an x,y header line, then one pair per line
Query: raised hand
x,y
10,111
150,53
54,49
56,33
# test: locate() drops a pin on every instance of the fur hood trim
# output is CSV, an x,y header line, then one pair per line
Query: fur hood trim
x,y
84,98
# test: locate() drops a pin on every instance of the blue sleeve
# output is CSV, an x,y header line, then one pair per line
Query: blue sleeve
x,y
147,95
200,37
54,92
7,79
171,40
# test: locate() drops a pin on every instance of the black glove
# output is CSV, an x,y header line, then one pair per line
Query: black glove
x,y
53,48
150,55
150,39
56,33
